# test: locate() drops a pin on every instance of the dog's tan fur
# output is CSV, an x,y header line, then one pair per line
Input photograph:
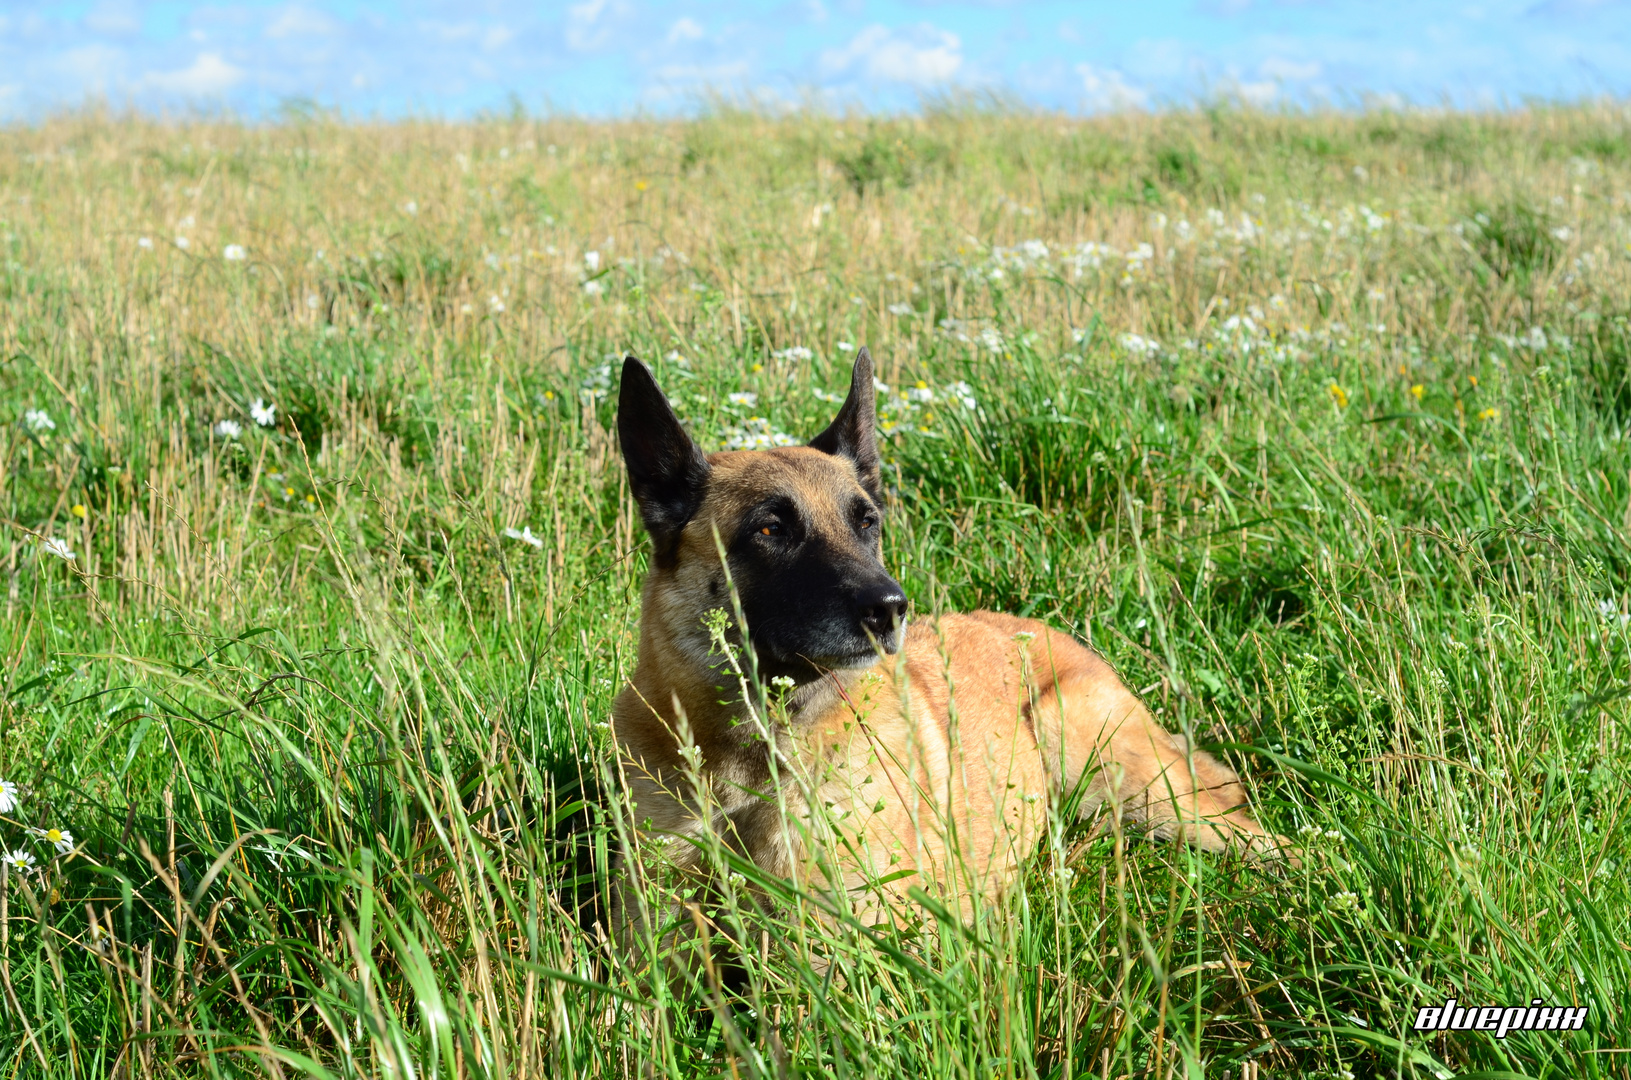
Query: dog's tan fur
x,y
940,760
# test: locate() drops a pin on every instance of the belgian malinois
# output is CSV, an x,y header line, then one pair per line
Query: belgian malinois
x,y
937,746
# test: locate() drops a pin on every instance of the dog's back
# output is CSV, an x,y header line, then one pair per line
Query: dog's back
x,y
943,763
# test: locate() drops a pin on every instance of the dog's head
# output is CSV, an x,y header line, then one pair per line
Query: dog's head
x,y
800,528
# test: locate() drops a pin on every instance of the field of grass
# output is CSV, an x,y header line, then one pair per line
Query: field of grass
x,y
1315,426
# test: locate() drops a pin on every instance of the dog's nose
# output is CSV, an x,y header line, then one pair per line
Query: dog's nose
x,y
881,607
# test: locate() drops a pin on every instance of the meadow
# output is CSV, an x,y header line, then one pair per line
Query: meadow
x,y
321,572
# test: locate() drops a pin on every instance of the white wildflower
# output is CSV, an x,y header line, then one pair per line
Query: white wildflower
x,y
410,208
10,796
61,839
19,860
1610,611
745,398
233,253
524,534
229,429
593,288
38,421
964,393
263,413
57,546
183,243
844,346
591,261
1563,233
756,433
145,242
796,352
495,305
1140,346
900,309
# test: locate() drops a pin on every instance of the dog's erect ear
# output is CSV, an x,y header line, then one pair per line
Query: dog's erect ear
x,y
853,434
667,472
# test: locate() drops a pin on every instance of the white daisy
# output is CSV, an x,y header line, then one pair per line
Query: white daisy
x,y
233,253
38,421
10,796
745,398
524,534
264,414
229,429
19,860
61,839
57,546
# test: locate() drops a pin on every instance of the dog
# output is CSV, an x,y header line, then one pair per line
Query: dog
x,y
891,752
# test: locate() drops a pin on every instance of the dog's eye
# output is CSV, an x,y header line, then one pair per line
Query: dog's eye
x,y
773,528
869,522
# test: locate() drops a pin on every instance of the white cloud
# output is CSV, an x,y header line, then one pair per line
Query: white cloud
x,y
586,30
921,55
91,67
1278,67
209,74
1258,94
299,22
705,74
114,18
685,29
1109,90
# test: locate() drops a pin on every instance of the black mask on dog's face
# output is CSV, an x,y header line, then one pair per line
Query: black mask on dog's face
x,y
801,529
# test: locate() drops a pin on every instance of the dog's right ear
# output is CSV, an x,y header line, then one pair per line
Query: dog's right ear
x,y
667,472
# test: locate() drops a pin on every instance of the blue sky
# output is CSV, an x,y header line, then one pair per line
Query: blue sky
x,y
602,57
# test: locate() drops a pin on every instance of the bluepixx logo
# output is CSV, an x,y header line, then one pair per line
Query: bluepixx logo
x,y
1501,1019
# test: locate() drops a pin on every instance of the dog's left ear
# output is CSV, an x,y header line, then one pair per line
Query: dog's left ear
x,y
667,472
853,434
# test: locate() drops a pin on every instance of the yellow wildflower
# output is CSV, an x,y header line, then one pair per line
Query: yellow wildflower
x,y
1339,395
1418,390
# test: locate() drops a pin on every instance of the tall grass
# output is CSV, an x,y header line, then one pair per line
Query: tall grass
x,y
1314,425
